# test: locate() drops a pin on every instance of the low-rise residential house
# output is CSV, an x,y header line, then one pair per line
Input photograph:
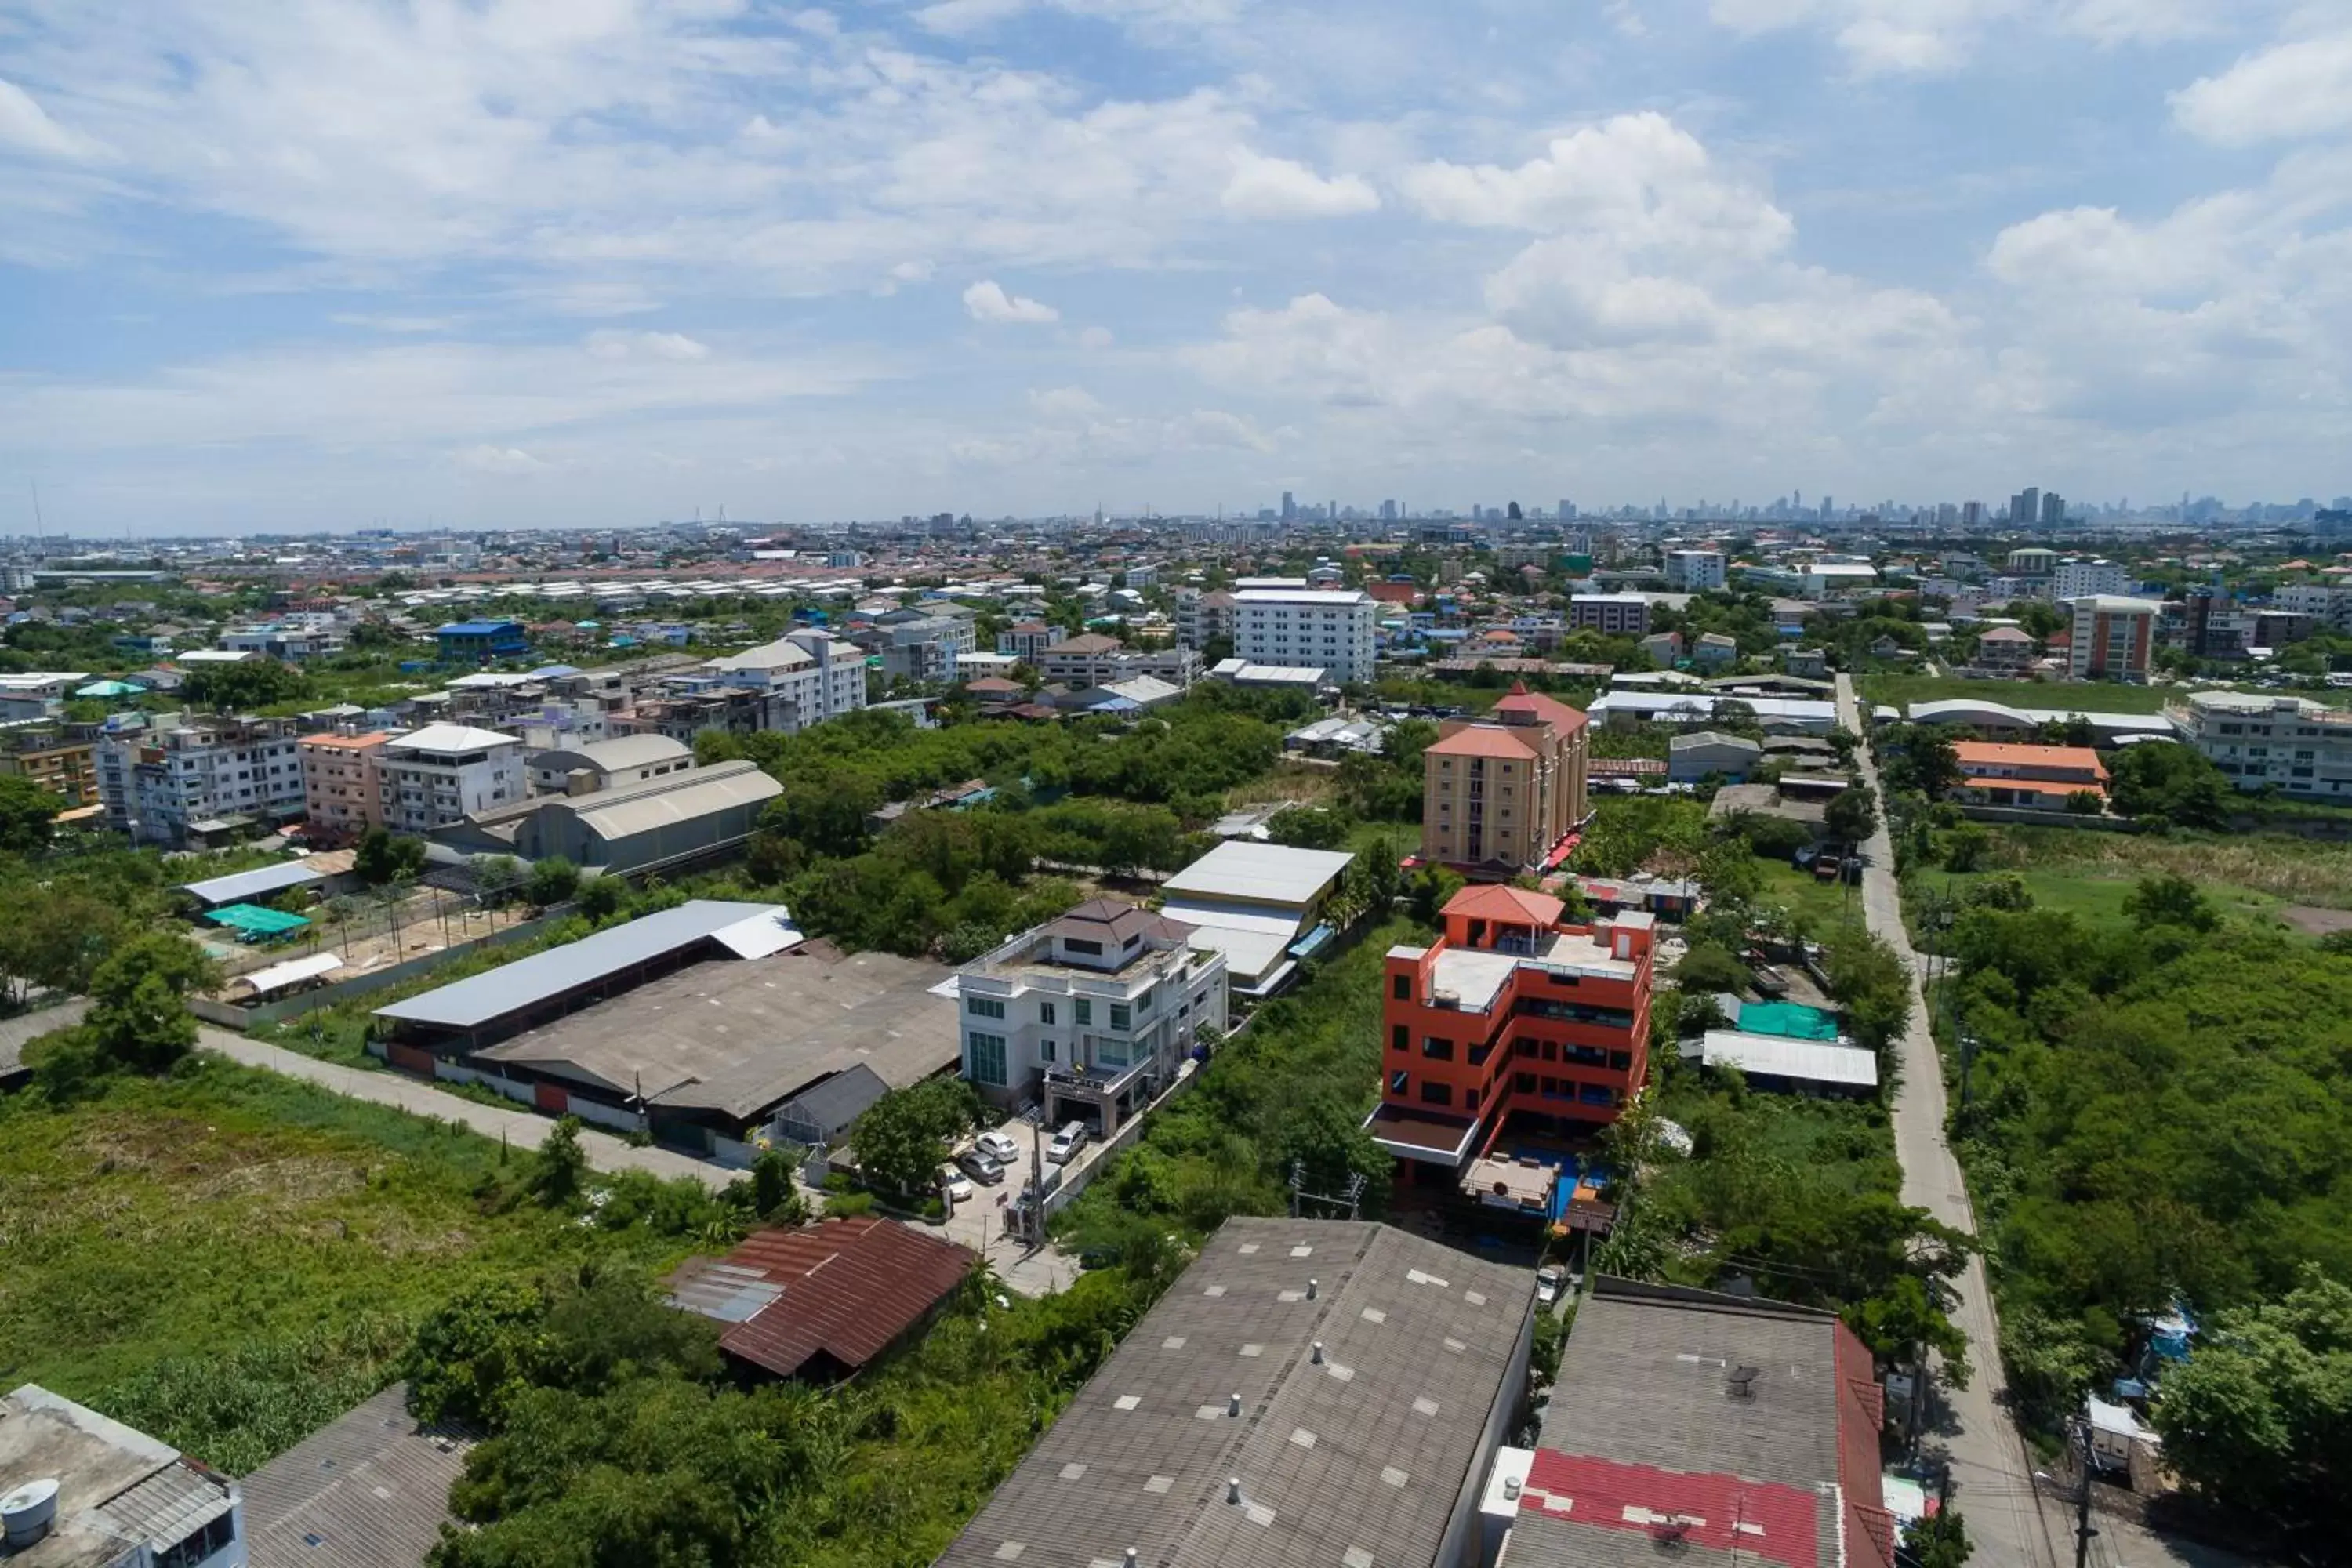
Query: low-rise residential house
x,y
1713,650
1664,649
1996,774
84,1491
2004,648
477,642
1810,663
61,762
1090,1015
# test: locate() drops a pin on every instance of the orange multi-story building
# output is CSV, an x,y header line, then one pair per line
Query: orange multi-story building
x,y
1500,793
1511,1018
341,786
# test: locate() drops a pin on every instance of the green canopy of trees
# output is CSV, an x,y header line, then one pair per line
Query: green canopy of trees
x,y
241,687
902,1139
2159,1113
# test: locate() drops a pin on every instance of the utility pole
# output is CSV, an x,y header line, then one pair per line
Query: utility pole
x,y
2083,1531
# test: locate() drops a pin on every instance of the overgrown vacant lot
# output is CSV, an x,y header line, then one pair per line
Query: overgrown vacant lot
x,y
2090,873
227,1258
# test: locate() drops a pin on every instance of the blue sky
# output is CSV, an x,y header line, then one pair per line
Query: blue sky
x,y
329,263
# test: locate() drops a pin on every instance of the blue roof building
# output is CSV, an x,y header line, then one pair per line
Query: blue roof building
x,y
478,641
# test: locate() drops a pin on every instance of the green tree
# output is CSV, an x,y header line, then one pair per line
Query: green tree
x,y
1872,984
139,1017
1851,815
476,1352
900,1141
1939,1540
560,1170
2261,1415
383,857
774,1196
2173,784
552,881
251,683
2170,900
27,813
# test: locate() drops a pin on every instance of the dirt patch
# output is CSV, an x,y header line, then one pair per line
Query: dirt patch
x,y
2315,920
300,1178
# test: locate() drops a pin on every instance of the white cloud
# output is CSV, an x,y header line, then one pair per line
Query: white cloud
x,y
1931,36
986,301
675,347
26,126
1094,338
498,462
2292,90
1637,182
1265,187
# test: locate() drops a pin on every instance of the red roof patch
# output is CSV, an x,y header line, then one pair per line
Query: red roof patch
x,y
1764,1520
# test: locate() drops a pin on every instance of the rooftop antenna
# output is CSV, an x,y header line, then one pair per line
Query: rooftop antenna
x,y
38,527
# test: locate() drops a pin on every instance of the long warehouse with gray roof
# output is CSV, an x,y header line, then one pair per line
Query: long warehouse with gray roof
x,y
698,1023
1309,1394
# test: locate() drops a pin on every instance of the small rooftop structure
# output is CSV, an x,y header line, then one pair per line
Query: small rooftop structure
x,y
117,1496
825,1299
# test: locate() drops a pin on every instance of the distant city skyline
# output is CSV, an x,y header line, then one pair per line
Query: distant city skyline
x,y
591,265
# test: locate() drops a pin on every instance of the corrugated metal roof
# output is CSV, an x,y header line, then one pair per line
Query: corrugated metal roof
x,y
280,976
1259,873
258,883
470,1003
369,1489
1357,1459
1775,1056
849,1289
678,797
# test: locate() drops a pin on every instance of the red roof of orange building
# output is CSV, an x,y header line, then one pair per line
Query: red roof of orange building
x,y
1494,902
1994,754
1550,710
1482,741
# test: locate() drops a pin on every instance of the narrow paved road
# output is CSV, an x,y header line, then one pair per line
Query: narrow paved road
x,y
1992,1476
522,1129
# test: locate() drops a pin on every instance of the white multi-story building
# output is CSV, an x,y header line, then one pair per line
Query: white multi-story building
x,y
2324,602
1694,570
436,775
1330,629
2082,579
820,675
2291,743
1090,1015
190,771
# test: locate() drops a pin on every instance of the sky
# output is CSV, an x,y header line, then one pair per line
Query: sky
x,y
327,264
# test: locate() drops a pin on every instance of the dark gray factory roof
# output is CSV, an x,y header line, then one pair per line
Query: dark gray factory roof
x,y
1352,1463
1642,1381
369,1489
528,982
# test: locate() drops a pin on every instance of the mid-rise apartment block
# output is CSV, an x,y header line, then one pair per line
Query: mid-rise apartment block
x,y
914,646
1202,617
1024,640
2082,579
1499,794
1512,1020
1320,628
1611,614
2325,603
2113,639
2290,743
195,773
1092,659
816,674
434,776
1089,1015
1694,570
55,760
342,786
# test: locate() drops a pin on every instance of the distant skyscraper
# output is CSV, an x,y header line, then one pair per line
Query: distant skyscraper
x,y
1388,512
1972,514
2025,507
1566,513
1290,508
1828,508
2054,509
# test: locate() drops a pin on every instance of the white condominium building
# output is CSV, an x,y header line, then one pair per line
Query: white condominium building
x,y
2291,743
434,776
1328,629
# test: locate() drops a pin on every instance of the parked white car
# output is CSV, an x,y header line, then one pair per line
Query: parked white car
x,y
998,1146
955,1184
1548,1280
1067,1144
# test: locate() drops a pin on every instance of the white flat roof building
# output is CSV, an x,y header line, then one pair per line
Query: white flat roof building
x,y
1329,628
